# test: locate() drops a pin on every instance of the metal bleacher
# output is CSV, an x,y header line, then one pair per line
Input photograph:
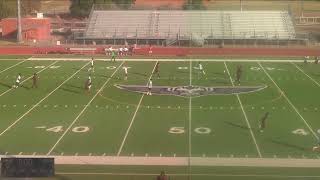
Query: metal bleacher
x,y
164,24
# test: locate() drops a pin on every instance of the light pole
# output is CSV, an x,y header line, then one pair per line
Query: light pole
x,y
19,29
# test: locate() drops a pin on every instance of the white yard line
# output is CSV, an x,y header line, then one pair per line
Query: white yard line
x,y
244,114
190,123
172,60
134,115
13,66
306,74
28,78
178,161
288,100
83,110
26,113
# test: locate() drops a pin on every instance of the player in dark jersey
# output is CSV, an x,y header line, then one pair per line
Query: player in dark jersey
x,y
238,74
35,79
316,59
263,121
113,55
156,70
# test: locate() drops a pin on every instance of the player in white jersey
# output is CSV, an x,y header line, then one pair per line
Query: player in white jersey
x,y
125,68
149,87
18,81
125,51
91,68
201,70
88,84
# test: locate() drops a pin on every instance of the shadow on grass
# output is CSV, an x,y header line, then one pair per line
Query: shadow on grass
x,y
5,85
77,87
236,125
139,74
62,177
82,70
286,144
69,90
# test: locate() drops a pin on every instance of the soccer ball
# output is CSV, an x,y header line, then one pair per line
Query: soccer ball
x,y
224,71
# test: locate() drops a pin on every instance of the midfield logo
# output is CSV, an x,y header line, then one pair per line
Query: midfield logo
x,y
192,91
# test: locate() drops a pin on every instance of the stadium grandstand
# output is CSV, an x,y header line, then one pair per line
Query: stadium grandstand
x,y
198,26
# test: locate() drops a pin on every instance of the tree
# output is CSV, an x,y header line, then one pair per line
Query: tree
x,y
193,5
6,10
82,8
30,6
124,4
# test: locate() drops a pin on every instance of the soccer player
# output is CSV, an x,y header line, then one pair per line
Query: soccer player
x,y
156,70
88,84
91,66
113,55
149,87
125,68
238,74
263,121
17,83
201,70
35,80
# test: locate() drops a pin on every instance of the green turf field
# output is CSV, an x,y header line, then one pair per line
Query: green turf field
x,y
60,118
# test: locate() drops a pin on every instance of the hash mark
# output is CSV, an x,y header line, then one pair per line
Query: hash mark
x,y
76,154
90,154
132,154
104,154
146,155
34,153
61,154
174,155
20,153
